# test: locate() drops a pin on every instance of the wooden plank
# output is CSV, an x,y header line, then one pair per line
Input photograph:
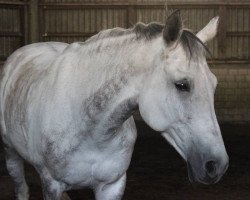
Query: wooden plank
x,y
131,16
41,24
33,18
222,30
229,61
153,3
25,24
238,33
10,34
69,34
13,3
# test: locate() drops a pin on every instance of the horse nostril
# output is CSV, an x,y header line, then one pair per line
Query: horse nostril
x,y
210,167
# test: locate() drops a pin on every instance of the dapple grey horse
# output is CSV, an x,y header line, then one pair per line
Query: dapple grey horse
x,y
67,108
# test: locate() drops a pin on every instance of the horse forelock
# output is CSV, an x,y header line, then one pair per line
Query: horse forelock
x,y
193,46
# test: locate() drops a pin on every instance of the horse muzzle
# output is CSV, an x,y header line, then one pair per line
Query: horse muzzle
x,y
207,172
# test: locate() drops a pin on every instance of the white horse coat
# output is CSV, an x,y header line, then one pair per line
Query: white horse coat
x,y
67,109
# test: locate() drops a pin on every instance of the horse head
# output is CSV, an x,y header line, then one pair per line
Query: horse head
x,y
177,99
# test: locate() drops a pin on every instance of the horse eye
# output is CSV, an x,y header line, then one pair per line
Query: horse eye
x,y
183,86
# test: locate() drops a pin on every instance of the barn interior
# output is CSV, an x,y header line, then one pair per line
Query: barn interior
x,y
156,170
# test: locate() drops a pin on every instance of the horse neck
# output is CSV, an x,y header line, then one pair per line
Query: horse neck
x,y
114,101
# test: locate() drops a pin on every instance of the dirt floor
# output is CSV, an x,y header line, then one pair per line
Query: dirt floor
x,y
158,173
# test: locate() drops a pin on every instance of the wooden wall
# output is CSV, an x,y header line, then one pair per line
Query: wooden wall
x,y
76,20
12,28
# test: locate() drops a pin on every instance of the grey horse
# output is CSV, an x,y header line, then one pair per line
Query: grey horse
x,y
67,108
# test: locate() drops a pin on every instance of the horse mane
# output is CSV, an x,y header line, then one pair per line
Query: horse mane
x,y
141,30
190,42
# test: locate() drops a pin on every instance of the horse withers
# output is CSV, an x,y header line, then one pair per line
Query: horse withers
x,y
67,108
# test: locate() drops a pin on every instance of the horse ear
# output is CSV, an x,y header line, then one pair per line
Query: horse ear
x,y
209,31
173,28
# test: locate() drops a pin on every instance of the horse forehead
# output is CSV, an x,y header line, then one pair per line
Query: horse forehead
x,y
177,53
181,64
177,61
191,68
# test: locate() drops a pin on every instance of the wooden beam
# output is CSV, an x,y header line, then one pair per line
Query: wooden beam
x,y
69,34
33,21
152,2
13,3
238,33
10,34
228,61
